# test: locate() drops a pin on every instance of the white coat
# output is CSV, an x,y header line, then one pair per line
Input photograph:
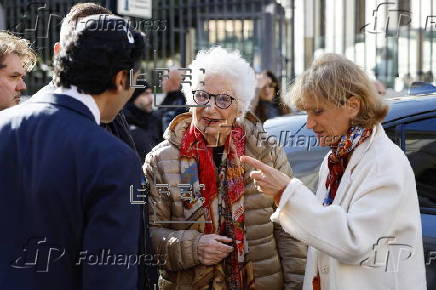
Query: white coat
x,y
370,237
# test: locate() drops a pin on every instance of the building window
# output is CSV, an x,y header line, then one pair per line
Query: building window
x,y
360,20
404,5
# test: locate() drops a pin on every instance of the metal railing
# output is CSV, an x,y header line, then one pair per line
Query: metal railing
x,y
177,30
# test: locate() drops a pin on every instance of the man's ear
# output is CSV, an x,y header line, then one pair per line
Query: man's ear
x,y
57,48
121,80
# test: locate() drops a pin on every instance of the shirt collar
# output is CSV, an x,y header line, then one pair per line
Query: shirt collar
x,y
86,99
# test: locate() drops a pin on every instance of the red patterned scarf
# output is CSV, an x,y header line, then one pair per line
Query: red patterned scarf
x,y
339,157
220,203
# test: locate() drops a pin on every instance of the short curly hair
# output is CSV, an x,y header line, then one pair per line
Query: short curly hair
x,y
90,59
230,64
10,43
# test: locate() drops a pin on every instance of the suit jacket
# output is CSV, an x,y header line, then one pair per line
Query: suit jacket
x,y
370,237
118,127
65,217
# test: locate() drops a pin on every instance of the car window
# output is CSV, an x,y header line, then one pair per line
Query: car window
x,y
420,147
394,135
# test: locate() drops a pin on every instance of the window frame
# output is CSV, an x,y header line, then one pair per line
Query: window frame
x,y
398,126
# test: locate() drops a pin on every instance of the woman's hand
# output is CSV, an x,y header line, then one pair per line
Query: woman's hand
x,y
268,180
211,249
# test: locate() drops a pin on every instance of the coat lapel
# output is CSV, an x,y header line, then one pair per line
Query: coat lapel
x,y
355,159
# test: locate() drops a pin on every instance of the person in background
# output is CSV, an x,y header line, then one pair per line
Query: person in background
x,y
174,97
216,231
144,123
16,58
269,102
118,127
379,87
65,181
363,224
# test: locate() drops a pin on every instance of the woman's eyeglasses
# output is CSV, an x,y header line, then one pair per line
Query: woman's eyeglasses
x,y
222,101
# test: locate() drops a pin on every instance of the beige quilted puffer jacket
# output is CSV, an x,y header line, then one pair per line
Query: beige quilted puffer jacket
x,y
279,260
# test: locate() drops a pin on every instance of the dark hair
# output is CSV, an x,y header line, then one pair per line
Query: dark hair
x,y
277,100
90,59
139,91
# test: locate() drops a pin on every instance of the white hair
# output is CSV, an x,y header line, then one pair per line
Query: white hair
x,y
219,61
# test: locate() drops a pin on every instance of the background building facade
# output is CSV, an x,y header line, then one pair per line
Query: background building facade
x,y
393,40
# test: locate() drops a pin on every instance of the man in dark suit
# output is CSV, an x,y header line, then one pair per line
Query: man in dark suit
x,y
65,214
119,126
144,123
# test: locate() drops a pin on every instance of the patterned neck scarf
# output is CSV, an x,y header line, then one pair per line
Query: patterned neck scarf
x,y
338,159
220,203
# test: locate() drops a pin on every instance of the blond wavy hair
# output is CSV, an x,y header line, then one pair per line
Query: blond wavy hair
x,y
10,43
334,79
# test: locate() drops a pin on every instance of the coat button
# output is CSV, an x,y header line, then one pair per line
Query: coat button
x,y
325,269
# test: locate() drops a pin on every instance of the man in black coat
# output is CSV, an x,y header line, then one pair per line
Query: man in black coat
x,y
144,123
65,212
174,102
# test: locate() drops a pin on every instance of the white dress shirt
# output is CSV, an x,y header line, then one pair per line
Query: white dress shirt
x,y
85,99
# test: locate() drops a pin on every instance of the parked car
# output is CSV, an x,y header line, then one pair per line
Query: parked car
x,y
410,123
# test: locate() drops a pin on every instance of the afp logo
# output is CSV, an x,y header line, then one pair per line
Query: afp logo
x,y
38,254
387,255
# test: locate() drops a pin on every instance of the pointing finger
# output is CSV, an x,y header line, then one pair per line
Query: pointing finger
x,y
254,163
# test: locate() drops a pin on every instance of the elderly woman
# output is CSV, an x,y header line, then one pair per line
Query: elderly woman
x,y
363,225
210,221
